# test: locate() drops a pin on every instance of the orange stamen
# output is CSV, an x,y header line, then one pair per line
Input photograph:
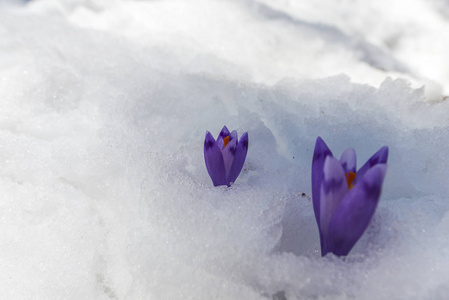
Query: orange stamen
x,y
226,141
350,178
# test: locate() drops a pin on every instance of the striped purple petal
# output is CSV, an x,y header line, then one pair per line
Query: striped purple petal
x,y
348,161
239,158
214,160
228,157
333,189
319,155
233,135
380,157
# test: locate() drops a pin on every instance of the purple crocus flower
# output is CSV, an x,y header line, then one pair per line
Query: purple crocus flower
x,y
344,200
225,156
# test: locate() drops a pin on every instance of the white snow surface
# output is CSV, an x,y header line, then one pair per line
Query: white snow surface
x,y
104,107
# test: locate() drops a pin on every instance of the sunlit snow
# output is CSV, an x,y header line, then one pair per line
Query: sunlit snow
x,y
104,107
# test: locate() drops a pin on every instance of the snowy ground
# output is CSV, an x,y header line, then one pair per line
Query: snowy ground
x,y
104,106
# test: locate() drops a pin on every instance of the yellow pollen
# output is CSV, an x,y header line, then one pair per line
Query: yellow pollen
x,y
350,178
226,141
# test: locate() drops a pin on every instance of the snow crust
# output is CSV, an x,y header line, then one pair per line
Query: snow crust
x,y
104,106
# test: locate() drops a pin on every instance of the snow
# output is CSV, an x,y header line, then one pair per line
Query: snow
x,y
104,107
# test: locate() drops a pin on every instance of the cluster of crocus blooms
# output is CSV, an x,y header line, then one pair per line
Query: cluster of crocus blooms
x,y
344,199
225,156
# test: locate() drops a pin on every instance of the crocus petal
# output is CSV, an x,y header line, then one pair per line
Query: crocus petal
x,y
348,161
333,189
380,157
223,133
355,211
319,155
233,135
214,160
228,157
239,158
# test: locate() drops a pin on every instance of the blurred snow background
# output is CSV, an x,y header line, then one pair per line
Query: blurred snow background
x,y
104,106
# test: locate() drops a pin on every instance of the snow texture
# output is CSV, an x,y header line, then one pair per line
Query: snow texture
x,y
104,107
